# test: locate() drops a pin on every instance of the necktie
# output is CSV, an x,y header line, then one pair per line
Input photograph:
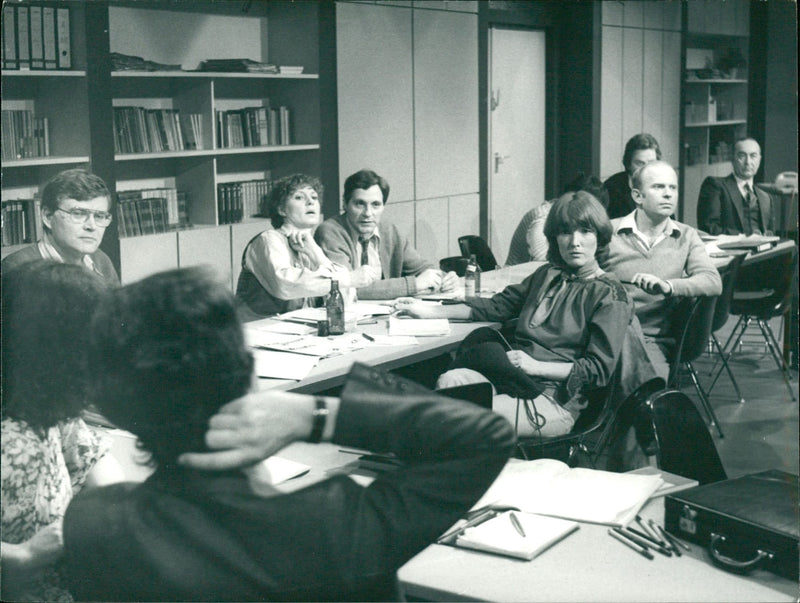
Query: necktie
x,y
750,201
364,252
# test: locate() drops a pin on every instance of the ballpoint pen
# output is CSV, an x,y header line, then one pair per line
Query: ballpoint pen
x,y
630,544
368,337
647,529
487,513
517,525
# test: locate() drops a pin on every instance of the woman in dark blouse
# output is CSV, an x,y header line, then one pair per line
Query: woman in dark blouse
x,y
572,320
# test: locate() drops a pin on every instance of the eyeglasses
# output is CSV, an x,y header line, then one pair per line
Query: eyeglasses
x,y
79,215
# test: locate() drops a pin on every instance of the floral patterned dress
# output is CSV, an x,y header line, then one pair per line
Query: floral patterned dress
x,y
41,471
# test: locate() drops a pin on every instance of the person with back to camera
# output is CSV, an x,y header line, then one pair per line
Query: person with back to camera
x,y
572,326
171,362
639,150
76,210
48,452
283,268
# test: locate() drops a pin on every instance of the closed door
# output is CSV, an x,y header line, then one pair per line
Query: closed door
x,y
516,130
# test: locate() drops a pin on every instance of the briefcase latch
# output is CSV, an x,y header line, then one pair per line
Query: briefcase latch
x,y
687,520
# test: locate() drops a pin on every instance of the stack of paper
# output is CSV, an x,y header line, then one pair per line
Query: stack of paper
x,y
498,534
418,327
551,487
283,365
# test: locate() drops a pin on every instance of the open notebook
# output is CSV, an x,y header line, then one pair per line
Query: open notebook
x,y
500,536
551,487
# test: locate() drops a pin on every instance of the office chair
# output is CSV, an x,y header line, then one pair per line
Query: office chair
x,y
470,244
682,442
456,263
764,291
692,320
721,315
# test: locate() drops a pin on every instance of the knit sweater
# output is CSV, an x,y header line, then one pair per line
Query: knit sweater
x,y
680,258
400,262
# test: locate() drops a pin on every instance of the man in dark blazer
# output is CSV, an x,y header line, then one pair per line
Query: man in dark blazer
x,y
733,205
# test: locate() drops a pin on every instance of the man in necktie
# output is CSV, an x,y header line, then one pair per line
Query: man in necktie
x,y
733,205
359,237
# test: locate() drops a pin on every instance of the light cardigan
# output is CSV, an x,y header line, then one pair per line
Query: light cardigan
x,y
275,278
679,258
400,262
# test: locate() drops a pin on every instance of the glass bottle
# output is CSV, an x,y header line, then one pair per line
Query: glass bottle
x,y
334,307
471,278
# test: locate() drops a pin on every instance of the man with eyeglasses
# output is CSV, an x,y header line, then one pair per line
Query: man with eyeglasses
x,y
75,214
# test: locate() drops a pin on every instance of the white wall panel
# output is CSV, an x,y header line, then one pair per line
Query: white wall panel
x,y
401,214
611,143
209,247
462,220
670,99
432,229
374,71
632,78
445,103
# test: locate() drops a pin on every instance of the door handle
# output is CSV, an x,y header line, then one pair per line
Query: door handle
x,y
499,160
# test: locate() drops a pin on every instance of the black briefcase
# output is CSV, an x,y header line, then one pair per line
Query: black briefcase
x,y
747,523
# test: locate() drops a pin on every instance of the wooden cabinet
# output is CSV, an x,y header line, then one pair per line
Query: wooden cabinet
x,y
176,37
715,98
58,100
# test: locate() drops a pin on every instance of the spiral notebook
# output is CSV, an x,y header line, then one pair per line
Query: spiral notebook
x,y
532,534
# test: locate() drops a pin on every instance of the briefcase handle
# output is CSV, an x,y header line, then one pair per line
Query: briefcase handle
x,y
734,564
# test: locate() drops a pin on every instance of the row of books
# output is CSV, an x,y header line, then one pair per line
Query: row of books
x,y
36,37
140,130
151,211
253,127
24,135
21,221
237,200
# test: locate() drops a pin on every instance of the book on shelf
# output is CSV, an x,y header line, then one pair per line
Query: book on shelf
x,y
151,211
9,38
63,38
237,66
511,533
23,38
21,221
126,62
49,37
37,46
239,200
551,487
140,130
24,136
291,69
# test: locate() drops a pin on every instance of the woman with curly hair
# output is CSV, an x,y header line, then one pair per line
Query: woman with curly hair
x,y
48,452
283,268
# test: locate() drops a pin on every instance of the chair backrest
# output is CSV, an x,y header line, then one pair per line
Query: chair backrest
x,y
692,319
456,263
477,393
684,445
470,244
772,273
723,308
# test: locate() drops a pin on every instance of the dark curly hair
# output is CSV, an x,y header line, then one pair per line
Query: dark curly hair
x,y
365,179
47,309
281,191
571,212
168,351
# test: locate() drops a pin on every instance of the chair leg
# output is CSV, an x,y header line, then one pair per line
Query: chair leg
x,y
713,421
728,351
724,359
774,349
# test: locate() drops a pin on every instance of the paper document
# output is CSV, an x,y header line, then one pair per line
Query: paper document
x,y
671,481
418,327
500,536
276,470
551,487
314,315
271,325
283,365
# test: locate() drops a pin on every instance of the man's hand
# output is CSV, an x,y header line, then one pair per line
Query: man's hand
x,y
252,428
415,308
429,280
449,282
651,284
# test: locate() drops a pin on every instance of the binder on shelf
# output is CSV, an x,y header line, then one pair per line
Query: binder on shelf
x,y
37,45
23,38
9,38
64,42
49,37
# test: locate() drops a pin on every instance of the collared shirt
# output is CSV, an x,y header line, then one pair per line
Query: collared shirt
x,y
628,223
373,253
49,251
